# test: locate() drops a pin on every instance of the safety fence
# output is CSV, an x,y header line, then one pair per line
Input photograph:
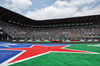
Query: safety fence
x,y
56,40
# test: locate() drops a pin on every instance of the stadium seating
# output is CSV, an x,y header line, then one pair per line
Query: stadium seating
x,y
51,33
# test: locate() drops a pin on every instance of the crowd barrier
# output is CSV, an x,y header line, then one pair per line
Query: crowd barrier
x,y
55,40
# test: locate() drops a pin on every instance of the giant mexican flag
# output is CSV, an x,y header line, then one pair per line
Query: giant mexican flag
x,y
13,54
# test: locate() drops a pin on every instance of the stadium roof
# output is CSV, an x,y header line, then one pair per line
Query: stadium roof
x,y
6,15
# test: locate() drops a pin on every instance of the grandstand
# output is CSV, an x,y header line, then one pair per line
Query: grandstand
x,y
17,27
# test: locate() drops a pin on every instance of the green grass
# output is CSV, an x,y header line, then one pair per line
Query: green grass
x,y
66,59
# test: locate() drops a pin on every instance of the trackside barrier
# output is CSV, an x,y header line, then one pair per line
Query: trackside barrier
x,y
46,41
66,41
89,40
51,41
15,40
29,40
38,41
95,40
21,40
75,40
82,40
98,40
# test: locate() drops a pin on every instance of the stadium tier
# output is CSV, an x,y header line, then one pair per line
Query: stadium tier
x,y
52,33
17,27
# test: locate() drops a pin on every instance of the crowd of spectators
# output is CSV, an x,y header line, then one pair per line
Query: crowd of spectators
x,y
57,32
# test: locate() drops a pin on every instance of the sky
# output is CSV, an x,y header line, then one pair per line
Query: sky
x,y
52,9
